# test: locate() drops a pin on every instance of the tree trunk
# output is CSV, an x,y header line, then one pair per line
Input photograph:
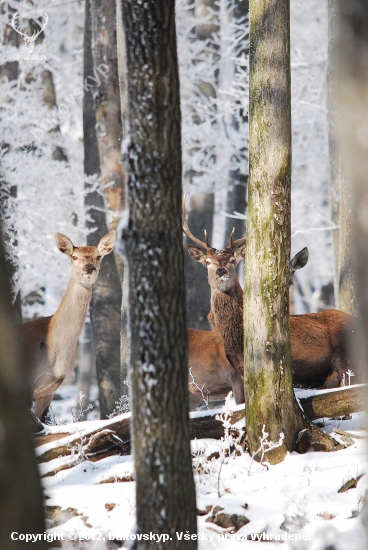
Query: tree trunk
x,y
8,193
268,387
123,108
352,79
109,130
105,307
198,291
152,245
353,107
340,193
107,101
21,502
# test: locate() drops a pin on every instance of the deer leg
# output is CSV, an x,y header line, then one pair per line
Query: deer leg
x,y
237,383
332,381
236,362
41,407
194,401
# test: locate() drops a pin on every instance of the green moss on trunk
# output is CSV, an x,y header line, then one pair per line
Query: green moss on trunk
x,y
268,381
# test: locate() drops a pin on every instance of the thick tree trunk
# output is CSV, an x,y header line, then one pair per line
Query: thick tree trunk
x,y
21,503
105,305
198,291
353,108
352,78
268,387
340,193
152,245
110,132
123,109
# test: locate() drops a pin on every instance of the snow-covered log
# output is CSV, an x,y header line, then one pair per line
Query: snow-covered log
x,y
335,403
110,435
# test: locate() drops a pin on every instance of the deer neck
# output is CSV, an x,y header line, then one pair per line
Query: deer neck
x,y
236,293
67,322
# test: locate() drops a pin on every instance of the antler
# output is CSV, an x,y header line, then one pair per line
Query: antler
x,y
233,245
37,33
187,231
13,23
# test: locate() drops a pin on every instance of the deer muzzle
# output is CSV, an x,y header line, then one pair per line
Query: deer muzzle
x,y
222,272
89,269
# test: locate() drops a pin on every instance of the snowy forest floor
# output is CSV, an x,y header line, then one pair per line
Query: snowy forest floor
x,y
93,505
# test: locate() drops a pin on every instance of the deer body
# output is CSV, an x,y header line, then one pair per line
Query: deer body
x,y
210,370
50,342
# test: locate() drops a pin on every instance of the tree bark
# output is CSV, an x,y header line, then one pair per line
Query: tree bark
x,y
21,502
107,102
340,193
352,79
8,193
352,90
268,387
105,307
152,246
335,403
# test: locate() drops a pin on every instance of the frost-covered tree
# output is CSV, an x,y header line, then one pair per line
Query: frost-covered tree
x,y
152,246
310,193
212,40
49,191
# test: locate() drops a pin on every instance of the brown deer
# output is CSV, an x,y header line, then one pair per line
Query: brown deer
x,y
318,340
211,374
50,342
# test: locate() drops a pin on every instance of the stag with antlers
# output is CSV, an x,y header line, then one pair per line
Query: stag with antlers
x,y
30,40
319,341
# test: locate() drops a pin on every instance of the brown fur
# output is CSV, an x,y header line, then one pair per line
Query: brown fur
x,y
211,369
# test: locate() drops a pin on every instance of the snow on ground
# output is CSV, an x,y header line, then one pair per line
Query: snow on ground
x,y
298,497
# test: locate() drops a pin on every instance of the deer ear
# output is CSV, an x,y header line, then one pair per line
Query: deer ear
x,y
240,252
197,254
64,244
106,244
300,259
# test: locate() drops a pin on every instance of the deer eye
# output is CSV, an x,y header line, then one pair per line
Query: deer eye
x,y
75,257
232,260
99,258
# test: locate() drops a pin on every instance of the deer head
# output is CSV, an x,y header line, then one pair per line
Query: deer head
x,y
86,260
220,264
30,40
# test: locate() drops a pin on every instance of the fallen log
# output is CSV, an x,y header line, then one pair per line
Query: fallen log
x,y
88,441
112,435
335,403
